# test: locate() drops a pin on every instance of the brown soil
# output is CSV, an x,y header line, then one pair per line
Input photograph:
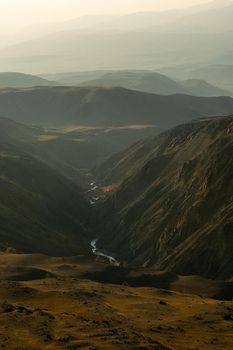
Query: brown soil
x,y
60,309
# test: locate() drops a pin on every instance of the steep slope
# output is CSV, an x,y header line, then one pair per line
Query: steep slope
x,y
151,82
174,211
41,211
20,80
105,106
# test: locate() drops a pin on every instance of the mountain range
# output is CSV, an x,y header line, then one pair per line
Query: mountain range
x,y
156,83
65,106
20,80
198,35
116,176
145,81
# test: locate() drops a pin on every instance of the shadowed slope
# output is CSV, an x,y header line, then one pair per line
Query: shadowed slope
x,y
41,211
105,106
174,211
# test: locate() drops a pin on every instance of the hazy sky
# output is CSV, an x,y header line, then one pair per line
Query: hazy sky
x,y
15,14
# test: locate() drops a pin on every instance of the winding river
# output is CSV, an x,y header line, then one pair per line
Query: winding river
x,y
98,252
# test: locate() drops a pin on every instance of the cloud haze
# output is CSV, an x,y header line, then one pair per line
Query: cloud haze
x,y
16,14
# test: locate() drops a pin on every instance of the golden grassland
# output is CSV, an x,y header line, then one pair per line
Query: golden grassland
x,y
49,303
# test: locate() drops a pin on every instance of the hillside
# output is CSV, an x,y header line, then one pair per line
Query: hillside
x,y
217,74
41,211
58,147
56,303
172,203
20,80
151,82
62,106
199,87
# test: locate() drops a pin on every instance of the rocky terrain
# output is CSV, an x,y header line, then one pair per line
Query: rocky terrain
x,y
171,200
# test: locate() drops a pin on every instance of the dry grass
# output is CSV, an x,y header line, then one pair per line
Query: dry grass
x,y
69,312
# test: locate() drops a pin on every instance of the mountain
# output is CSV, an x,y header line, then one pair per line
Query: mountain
x,y
213,19
146,49
151,82
20,80
222,75
198,35
65,106
199,87
171,205
41,211
58,147
74,78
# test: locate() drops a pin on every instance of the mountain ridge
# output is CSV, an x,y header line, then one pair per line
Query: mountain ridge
x,y
21,80
105,107
156,83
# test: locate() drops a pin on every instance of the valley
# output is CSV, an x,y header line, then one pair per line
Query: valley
x,y
132,287
116,175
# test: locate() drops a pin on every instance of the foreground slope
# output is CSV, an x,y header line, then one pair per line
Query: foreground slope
x,y
172,208
41,211
105,106
52,303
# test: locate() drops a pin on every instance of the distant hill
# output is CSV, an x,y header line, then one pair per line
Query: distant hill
x,y
220,75
145,40
41,211
75,78
172,204
199,87
62,106
151,82
20,80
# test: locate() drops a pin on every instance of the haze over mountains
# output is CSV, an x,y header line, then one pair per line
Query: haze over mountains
x,y
219,74
198,35
146,81
156,83
20,80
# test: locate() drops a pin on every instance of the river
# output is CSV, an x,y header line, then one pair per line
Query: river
x,y
98,252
